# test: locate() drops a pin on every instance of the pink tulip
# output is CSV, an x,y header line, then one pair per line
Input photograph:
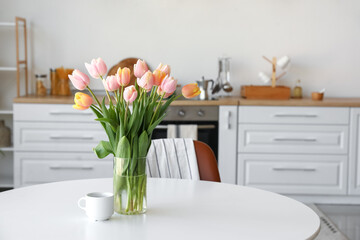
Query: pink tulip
x,y
161,92
168,85
123,76
164,68
140,68
97,68
82,101
130,94
111,84
146,81
79,80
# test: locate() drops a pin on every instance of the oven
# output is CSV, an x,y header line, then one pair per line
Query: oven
x,y
205,117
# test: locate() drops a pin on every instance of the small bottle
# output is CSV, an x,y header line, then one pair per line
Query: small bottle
x,y
297,93
40,88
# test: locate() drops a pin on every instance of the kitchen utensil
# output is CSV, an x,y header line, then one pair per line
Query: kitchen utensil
x,y
203,85
127,62
224,70
218,86
227,87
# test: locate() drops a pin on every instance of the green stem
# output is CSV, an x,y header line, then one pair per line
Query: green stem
x,y
152,119
122,90
93,96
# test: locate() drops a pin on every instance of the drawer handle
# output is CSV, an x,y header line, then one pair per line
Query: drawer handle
x,y
294,139
296,115
295,169
69,113
71,137
70,167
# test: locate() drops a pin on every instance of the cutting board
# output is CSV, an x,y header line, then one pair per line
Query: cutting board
x,y
265,92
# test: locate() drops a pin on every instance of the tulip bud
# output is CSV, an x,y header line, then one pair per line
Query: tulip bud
x,y
79,80
164,68
123,76
130,94
140,68
168,85
190,90
97,68
146,81
82,101
111,84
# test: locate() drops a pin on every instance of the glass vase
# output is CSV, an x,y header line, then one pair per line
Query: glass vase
x,y
129,182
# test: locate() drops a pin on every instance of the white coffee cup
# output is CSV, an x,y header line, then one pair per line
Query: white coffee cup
x,y
99,206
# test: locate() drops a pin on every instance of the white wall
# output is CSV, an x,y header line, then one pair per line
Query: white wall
x,y
322,37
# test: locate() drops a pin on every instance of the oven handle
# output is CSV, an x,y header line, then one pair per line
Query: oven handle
x,y
211,126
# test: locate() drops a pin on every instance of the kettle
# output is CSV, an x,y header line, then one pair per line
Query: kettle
x,y
203,85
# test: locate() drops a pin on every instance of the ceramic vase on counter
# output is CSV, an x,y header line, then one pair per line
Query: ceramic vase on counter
x,y
5,135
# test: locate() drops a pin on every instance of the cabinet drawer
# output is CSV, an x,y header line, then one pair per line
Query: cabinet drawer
x,y
34,136
49,167
51,112
294,174
294,115
292,139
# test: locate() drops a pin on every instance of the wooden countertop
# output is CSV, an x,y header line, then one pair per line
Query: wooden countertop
x,y
70,100
327,102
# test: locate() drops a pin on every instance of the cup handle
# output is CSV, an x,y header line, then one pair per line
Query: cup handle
x,y
79,204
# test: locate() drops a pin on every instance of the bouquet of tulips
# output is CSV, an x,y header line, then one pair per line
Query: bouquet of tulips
x,y
129,131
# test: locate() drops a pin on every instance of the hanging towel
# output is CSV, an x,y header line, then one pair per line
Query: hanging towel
x,y
172,158
188,131
172,131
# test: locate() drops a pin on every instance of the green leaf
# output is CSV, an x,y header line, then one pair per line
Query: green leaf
x,y
123,148
143,144
103,149
153,126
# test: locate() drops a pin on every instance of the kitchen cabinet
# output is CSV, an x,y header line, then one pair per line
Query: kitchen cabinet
x,y
354,160
227,155
294,150
53,142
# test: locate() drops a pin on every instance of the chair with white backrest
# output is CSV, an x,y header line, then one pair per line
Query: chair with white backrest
x,y
182,158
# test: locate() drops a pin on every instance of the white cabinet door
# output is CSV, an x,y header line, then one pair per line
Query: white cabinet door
x,y
294,174
271,138
43,167
354,160
227,143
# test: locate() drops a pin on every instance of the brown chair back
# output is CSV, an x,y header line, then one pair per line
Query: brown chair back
x,y
206,160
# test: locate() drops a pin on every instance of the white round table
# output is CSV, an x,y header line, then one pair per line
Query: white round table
x,y
177,209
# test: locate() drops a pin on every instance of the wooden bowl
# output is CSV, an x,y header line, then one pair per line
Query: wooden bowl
x,y
317,96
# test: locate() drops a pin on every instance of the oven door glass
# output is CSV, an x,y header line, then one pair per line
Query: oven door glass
x,y
207,132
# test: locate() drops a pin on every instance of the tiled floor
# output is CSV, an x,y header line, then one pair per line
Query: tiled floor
x,y
345,217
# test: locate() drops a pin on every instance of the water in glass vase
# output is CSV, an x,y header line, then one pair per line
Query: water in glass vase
x,y
129,185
